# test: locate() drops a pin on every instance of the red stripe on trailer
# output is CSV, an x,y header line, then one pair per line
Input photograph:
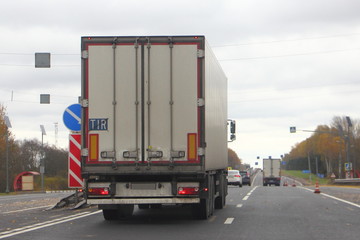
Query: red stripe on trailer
x,y
74,175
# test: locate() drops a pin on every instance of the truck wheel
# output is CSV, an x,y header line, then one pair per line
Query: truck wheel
x,y
220,202
201,211
144,206
110,214
125,210
221,199
155,206
205,208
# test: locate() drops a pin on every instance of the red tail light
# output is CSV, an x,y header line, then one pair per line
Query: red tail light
x,y
188,191
237,175
98,191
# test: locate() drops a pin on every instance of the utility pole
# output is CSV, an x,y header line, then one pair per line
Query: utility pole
x,y
56,133
8,125
42,160
309,167
347,139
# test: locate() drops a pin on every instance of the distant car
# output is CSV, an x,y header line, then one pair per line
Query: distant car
x,y
234,178
245,177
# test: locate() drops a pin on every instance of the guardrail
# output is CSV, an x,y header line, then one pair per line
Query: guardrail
x,y
348,180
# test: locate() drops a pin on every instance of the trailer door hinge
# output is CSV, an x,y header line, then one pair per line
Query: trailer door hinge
x,y
84,152
85,54
85,103
200,102
200,53
201,151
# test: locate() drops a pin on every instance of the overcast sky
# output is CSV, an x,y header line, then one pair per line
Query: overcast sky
x,y
288,62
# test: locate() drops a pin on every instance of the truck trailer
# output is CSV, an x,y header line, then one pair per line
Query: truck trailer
x,y
271,171
154,124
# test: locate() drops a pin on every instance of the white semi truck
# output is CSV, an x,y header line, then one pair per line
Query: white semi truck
x,y
271,171
154,124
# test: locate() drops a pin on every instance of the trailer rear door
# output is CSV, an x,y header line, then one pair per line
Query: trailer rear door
x,y
142,99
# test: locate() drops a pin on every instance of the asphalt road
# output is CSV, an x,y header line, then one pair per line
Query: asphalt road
x,y
254,212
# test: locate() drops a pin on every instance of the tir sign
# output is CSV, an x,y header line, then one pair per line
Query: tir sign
x,y
98,124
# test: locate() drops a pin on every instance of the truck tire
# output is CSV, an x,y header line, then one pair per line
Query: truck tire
x,y
110,214
206,207
221,199
220,202
125,210
201,211
120,212
144,206
155,206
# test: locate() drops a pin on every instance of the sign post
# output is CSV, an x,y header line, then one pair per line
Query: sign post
x,y
72,120
74,175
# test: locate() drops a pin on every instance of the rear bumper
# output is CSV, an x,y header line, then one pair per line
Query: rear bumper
x,y
144,201
234,183
271,181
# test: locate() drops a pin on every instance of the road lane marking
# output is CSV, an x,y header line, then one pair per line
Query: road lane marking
x,y
229,220
338,199
249,194
26,209
239,205
341,200
45,224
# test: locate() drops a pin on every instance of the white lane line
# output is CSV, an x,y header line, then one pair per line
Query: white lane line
x,y
27,209
256,175
341,200
338,199
229,220
36,226
239,205
249,194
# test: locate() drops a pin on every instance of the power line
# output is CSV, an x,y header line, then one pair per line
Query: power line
x,y
33,65
281,98
285,40
290,55
32,54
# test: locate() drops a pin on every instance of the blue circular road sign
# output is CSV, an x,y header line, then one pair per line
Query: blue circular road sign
x,y
72,117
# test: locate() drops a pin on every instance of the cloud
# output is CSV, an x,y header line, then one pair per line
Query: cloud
x,y
287,62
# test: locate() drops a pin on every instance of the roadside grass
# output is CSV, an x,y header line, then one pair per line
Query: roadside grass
x,y
6,194
305,177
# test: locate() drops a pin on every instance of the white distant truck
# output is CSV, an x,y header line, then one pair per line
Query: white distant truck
x,y
154,124
271,171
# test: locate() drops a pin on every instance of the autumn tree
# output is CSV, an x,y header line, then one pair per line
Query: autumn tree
x,y
6,143
233,160
326,148
25,155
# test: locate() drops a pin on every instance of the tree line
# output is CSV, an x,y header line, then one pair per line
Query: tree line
x,y
25,155
328,149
